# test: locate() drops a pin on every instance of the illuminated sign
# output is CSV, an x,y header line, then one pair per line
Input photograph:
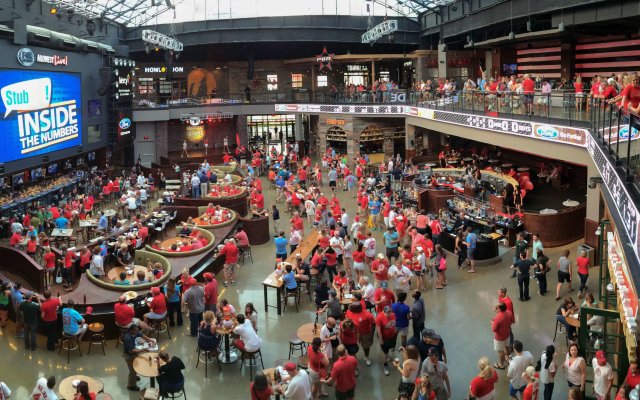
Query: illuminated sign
x,y
378,31
324,59
160,40
40,113
335,121
125,124
195,134
27,58
162,70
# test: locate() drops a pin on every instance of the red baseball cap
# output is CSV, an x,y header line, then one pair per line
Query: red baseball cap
x,y
290,366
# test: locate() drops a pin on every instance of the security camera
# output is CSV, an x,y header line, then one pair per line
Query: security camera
x,y
594,181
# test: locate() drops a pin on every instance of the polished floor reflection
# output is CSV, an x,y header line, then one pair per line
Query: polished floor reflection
x,y
461,313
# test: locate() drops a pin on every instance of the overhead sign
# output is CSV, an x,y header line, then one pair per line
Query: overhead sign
x,y
523,128
564,134
378,31
26,57
40,113
324,59
161,69
331,121
124,84
125,124
160,40
343,109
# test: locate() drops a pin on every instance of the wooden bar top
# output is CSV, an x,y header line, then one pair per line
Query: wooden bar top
x,y
305,248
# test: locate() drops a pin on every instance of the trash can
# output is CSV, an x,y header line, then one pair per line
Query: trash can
x,y
590,253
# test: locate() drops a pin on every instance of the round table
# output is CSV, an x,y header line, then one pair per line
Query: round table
x,y
575,322
305,332
67,391
109,213
570,203
200,221
114,273
226,356
467,159
143,367
523,169
430,165
166,245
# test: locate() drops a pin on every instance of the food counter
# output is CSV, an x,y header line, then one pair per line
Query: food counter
x,y
486,248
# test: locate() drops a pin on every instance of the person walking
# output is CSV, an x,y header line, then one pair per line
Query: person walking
x,y
501,328
520,246
583,272
565,272
417,314
548,369
438,375
471,240
575,368
602,376
343,374
541,268
402,313
387,333
194,299
318,365
524,266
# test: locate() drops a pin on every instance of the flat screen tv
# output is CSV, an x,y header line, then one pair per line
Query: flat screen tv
x,y
52,169
509,69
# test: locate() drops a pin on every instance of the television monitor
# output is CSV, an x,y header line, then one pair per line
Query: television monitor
x,y
509,69
37,173
17,180
94,108
91,156
79,161
42,112
52,169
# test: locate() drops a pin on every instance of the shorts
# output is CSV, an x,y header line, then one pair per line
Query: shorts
x,y
388,344
417,273
470,254
282,256
366,340
393,252
152,315
134,321
528,99
229,268
51,270
332,183
314,376
403,331
352,349
564,277
358,266
500,345
543,100
513,391
349,394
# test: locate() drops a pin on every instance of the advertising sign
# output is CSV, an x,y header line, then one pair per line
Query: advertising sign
x,y
125,124
27,58
40,113
564,134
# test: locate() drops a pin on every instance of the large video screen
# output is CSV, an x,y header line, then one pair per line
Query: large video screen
x,y
40,112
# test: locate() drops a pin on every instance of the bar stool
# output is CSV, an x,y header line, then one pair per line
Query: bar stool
x,y
160,325
313,277
560,328
303,362
244,251
295,293
120,339
296,344
97,337
209,357
180,393
252,357
69,343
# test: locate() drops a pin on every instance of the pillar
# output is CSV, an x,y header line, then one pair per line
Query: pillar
x,y
409,141
593,195
567,59
488,64
420,61
298,128
373,72
442,61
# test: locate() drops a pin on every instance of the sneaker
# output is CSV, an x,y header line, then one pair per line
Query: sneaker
x,y
226,284
386,369
368,362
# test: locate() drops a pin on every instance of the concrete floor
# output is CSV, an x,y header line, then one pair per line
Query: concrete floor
x,y
461,313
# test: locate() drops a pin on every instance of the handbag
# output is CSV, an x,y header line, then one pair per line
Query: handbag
x,y
59,276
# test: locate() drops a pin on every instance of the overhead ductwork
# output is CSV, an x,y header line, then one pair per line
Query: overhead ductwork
x,y
38,36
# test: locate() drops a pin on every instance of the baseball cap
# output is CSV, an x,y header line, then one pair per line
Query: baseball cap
x,y
192,281
332,293
419,248
290,366
384,284
600,356
155,290
207,275
380,256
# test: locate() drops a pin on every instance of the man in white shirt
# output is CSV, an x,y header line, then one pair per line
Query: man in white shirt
x,y
248,336
131,204
602,376
44,389
517,366
401,276
355,227
344,218
299,387
370,248
367,291
337,244
140,180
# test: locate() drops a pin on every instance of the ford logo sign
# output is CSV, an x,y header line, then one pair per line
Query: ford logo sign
x,y
125,123
624,132
26,57
547,132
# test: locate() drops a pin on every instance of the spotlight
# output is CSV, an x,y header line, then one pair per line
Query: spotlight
x,y
512,35
157,49
91,27
561,27
54,10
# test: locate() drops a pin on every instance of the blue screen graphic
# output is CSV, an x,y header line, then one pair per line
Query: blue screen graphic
x,y
40,112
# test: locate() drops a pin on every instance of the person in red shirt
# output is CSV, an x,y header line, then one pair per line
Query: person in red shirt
x,y
49,260
230,252
210,292
387,333
583,271
631,95
67,265
125,315
343,374
383,297
504,298
380,269
260,388
323,241
349,336
501,328
186,247
364,323
528,87
258,200
323,202
340,281
143,232
15,240
85,258
158,305
483,384
302,177
49,314
633,375
203,240
531,391
318,365
297,222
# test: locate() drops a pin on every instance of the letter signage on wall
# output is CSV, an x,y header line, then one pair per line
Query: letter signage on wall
x,y
40,113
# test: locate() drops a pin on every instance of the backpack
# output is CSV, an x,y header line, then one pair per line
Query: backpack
x,y
538,366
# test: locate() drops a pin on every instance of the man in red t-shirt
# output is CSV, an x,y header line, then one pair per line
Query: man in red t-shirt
x,y
364,322
126,316
297,222
631,95
387,333
583,271
501,328
158,305
210,292
49,314
380,269
504,298
383,297
343,373
230,252
302,177
528,87
633,375
258,200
